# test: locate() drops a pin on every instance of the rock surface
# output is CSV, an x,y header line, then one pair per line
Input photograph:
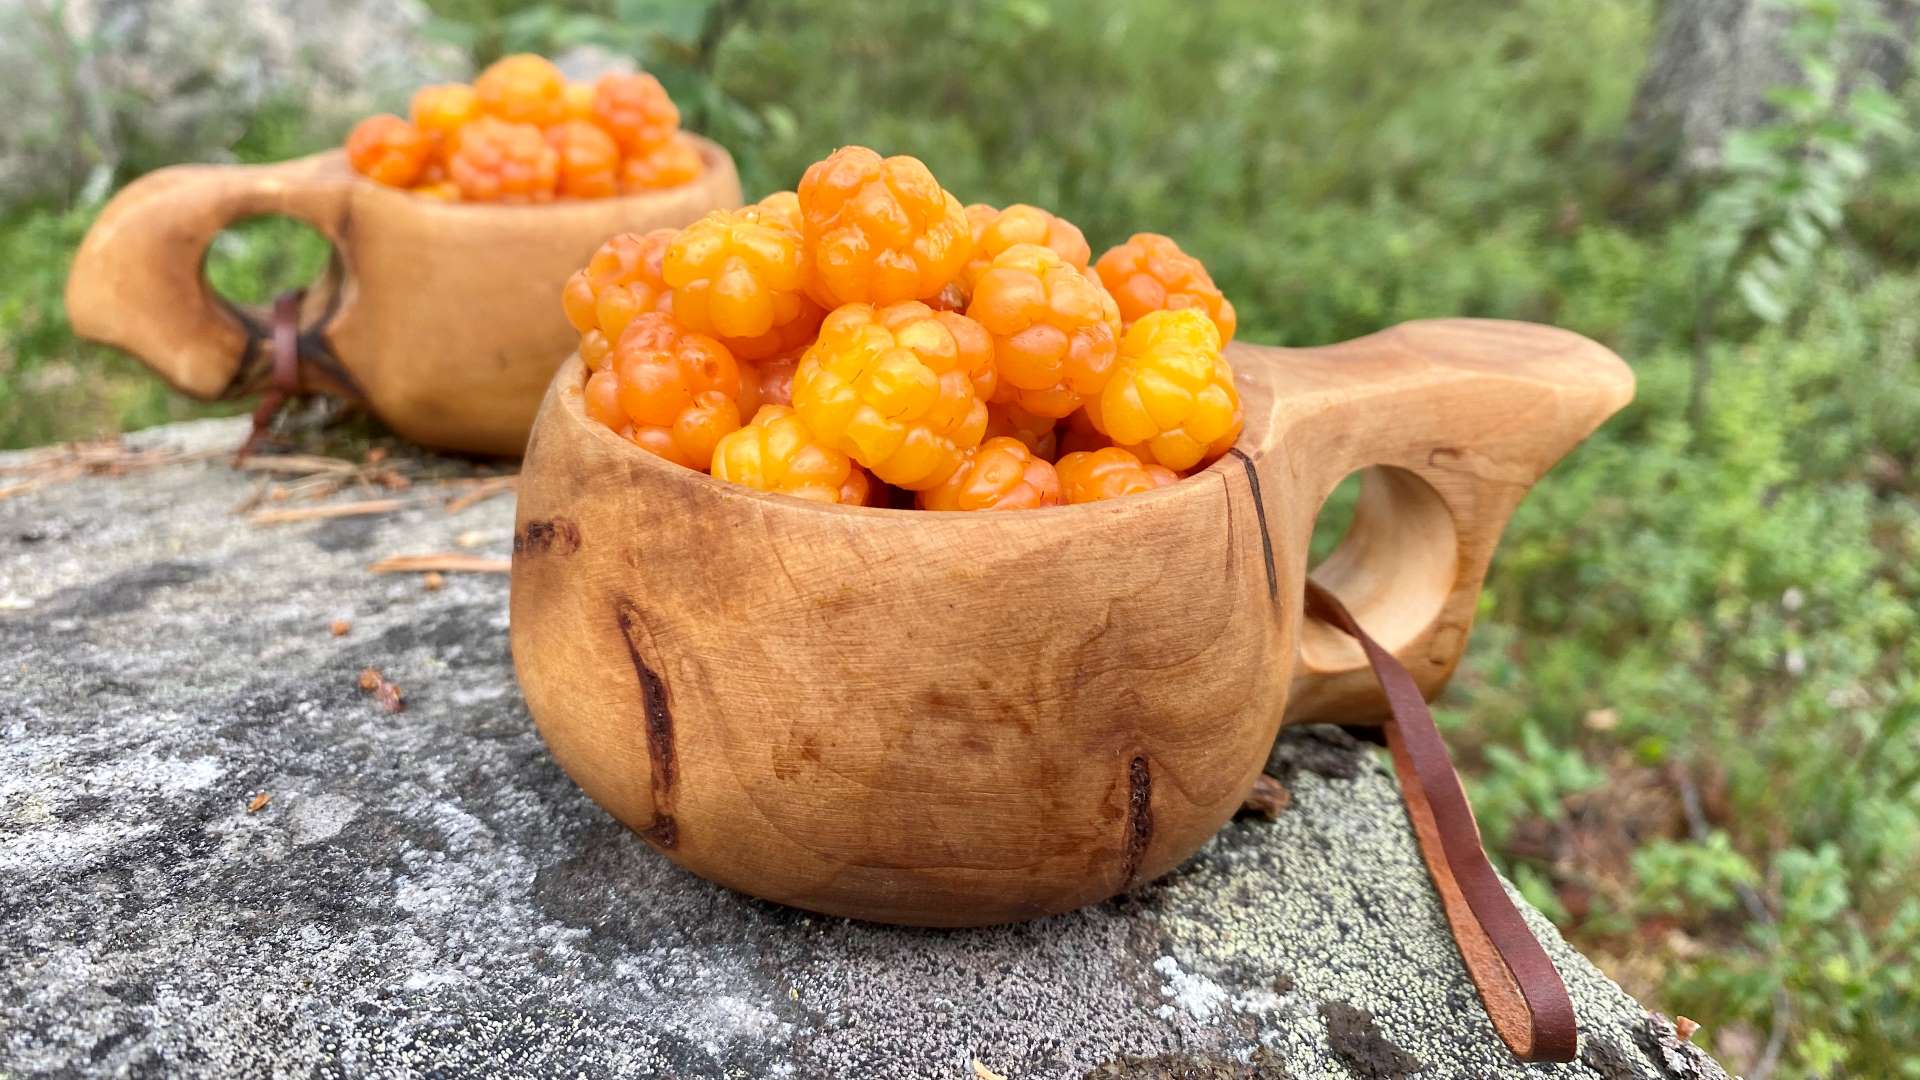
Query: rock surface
x,y
425,891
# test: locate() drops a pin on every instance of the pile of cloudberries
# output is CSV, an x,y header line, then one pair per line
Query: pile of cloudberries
x,y
866,339
523,134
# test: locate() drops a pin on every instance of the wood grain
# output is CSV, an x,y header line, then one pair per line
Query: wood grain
x,y
960,719
446,316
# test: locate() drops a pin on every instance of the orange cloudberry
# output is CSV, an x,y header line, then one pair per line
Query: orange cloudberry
x,y
672,163
441,111
634,108
388,150
994,231
742,280
621,281
999,474
879,230
1055,330
777,452
768,381
497,161
441,190
589,160
523,89
579,101
1171,398
898,388
678,390
1036,433
1150,273
781,208
1093,475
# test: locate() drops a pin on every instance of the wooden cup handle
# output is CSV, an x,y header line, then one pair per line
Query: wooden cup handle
x,y
138,279
1454,419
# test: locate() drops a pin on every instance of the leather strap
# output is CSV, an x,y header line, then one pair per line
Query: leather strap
x,y
1522,992
284,381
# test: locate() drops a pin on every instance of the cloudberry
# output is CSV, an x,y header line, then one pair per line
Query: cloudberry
x,y
634,108
621,281
589,160
388,150
879,230
994,231
1054,329
777,452
579,101
523,89
1036,433
1077,433
495,161
679,390
1108,474
1171,399
741,280
898,388
999,474
595,350
442,190
1150,273
768,381
672,163
781,208
441,111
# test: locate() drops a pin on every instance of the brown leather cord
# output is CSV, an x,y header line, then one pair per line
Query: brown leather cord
x,y
284,381
1523,993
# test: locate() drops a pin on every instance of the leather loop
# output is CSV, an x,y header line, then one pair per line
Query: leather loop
x,y
284,375
1519,986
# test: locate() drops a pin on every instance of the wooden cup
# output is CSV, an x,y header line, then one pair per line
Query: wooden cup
x,y
444,317
961,719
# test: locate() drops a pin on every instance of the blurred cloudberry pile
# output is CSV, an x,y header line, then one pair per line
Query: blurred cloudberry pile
x,y
867,339
523,134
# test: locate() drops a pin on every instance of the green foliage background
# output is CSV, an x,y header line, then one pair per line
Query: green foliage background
x,y
1692,707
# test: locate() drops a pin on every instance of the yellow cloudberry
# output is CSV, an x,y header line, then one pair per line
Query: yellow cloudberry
x,y
898,388
1055,330
1150,273
777,452
741,279
1093,475
999,474
879,230
523,89
1171,399
441,111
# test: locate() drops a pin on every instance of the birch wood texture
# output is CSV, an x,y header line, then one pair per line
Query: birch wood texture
x,y
445,316
965,719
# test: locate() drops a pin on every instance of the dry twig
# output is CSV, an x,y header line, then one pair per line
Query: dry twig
x,y
451,562
315,513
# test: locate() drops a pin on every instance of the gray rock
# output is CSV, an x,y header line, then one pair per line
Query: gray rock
x,y
426,892
92,82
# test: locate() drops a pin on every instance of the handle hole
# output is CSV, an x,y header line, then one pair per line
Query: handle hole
x,y
1393,566
256,259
